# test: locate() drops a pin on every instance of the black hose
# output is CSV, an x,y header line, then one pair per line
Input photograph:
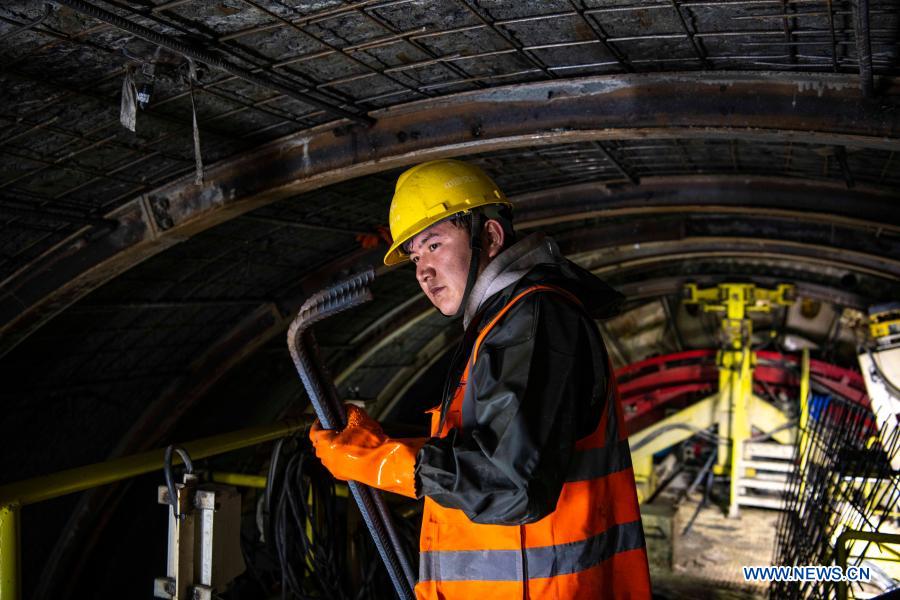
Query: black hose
x,y
767,434
270,488
703,471
312,562
167,471
706,493
711,437
307,544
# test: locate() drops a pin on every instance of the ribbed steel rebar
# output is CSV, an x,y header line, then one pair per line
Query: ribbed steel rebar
x,y
331,413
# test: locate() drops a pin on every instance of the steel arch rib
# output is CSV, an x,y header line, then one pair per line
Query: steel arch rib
x,y
762,106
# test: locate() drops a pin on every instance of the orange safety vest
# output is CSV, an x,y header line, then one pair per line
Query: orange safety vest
x,y
591,546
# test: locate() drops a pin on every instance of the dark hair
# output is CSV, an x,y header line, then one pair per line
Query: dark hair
x,y
499,212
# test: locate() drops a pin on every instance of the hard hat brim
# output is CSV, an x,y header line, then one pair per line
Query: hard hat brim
x,y
395,254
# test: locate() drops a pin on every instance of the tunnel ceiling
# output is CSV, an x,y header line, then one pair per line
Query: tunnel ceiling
x,y
658,142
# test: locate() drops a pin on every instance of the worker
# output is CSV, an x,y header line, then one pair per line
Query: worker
x,y
526,476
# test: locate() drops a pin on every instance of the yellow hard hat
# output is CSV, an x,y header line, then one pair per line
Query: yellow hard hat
x,y
433,191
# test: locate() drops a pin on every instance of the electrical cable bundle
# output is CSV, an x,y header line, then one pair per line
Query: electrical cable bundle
x,y
304,525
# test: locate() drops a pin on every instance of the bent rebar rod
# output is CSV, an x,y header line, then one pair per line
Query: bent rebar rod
x,y
324,398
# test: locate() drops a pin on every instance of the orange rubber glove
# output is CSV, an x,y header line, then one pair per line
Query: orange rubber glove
x,y
362,452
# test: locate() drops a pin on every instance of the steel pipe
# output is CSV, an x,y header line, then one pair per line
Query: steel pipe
x,y
79,479
238,479
10,563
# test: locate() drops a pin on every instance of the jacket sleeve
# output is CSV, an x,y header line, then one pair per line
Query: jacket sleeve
x,y
535,389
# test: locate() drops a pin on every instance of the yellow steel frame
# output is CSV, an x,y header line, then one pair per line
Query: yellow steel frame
x,y
884,323
878,501
238,479
842,552
736,361
10,569
804,418
678,427
15,495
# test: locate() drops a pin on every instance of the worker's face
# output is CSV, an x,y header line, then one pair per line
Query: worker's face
x,y
442,254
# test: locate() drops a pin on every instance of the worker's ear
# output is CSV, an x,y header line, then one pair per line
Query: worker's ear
x,y
493,238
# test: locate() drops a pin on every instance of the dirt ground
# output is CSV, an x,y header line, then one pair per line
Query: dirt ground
x,y
708,560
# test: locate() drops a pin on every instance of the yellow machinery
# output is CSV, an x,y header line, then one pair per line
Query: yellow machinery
x,y
734,408
884,324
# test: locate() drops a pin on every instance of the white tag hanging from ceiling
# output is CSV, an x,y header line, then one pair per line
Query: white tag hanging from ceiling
x,y
128,110
192,77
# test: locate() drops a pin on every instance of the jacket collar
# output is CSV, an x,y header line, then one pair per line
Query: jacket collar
x,y
508,268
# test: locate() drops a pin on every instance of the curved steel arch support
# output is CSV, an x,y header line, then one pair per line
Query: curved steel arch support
x,y
617,259
866,207
808,108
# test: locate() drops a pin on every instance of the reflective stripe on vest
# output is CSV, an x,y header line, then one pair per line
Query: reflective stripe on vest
x,y
547,561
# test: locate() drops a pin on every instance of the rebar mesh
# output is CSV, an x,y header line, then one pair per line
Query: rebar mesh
x,y
63,148
842,481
